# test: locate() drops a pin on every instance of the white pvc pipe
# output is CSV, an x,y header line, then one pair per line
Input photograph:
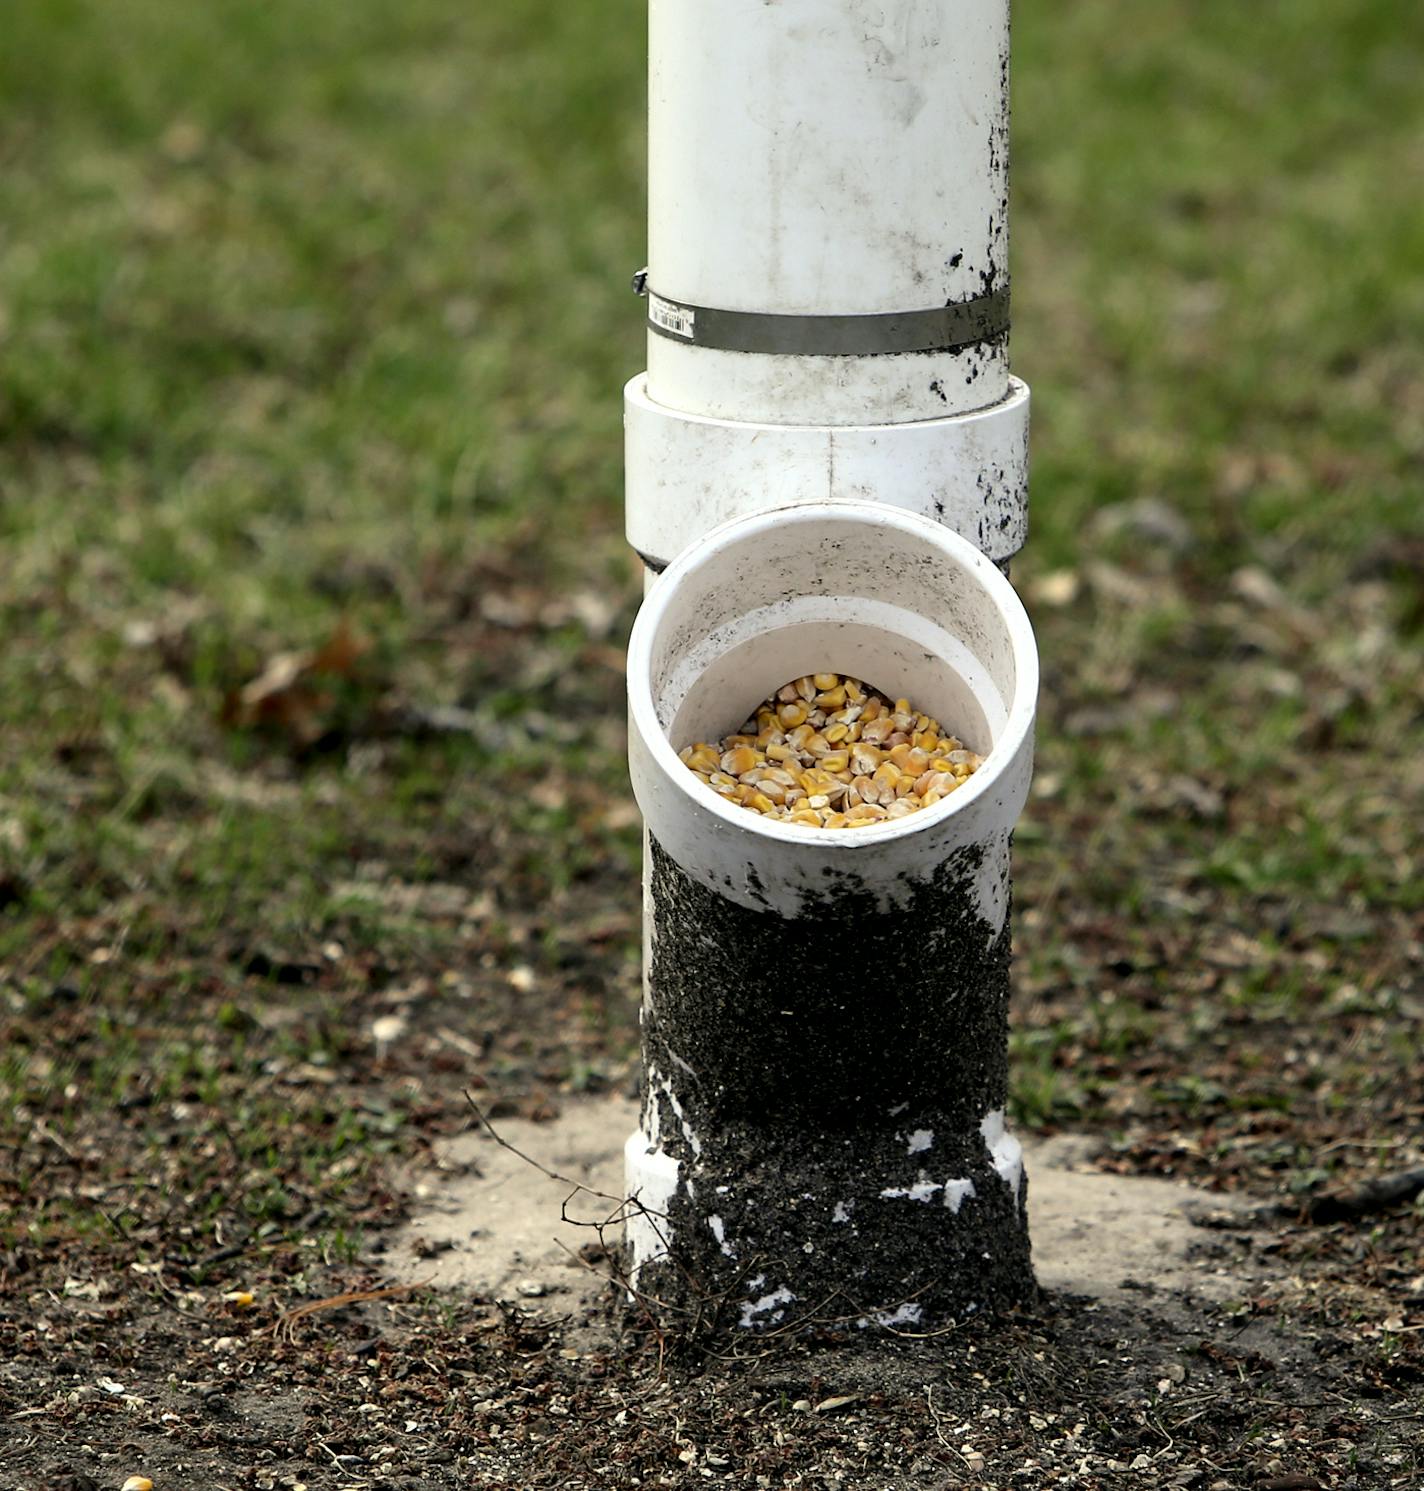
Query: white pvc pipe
x,y
884,596
827,176
824,1012
809,158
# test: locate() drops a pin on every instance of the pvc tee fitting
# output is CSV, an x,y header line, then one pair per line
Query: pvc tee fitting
x,y
825,1012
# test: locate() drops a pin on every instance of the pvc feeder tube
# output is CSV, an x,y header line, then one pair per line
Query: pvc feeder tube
x,y
825,1011
810,161
827,286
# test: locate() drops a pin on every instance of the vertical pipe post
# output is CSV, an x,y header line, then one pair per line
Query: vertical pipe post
x,y
826,461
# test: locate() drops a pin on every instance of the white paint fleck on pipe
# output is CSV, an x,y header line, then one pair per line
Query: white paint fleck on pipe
x,y
1004,1150
650,1183
921,1139
922,1190
719,1231
907,1314
773,1302
842,1211
956,1192
665,1087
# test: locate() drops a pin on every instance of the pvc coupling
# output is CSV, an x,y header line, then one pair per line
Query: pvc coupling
x,y
688,472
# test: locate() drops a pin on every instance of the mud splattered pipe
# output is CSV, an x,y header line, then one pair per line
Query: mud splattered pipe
x,y
825,1012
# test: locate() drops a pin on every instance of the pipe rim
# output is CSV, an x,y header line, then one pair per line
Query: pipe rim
x,y
636,391
1018,724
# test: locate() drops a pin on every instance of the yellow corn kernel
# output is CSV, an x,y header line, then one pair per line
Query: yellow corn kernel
x,y
827,751
742,758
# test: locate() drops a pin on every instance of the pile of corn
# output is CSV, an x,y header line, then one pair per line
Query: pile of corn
x,y
830,752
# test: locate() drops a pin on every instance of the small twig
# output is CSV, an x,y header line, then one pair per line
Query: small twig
x,y
284,1323
43,1131
1374,1195
461,1043
938,1420
543,1169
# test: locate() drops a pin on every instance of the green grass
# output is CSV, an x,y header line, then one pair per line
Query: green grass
x,y
316,314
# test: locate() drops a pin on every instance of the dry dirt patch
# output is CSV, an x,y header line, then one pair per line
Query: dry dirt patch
x,y
493,1222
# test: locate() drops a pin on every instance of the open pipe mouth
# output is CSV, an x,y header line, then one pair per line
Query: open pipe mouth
x,y
858,588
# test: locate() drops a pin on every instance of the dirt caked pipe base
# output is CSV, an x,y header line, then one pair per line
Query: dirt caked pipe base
x,y
825,1013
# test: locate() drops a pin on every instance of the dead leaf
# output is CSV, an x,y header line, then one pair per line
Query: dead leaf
x,y
829,1405
287,695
